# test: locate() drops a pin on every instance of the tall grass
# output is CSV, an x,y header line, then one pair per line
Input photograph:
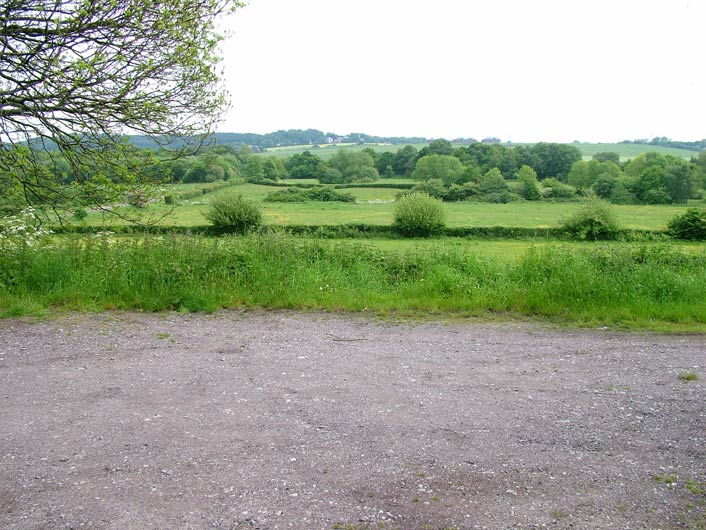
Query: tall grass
x,y
651,286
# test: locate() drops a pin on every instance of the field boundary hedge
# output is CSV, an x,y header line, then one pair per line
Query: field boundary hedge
x,y
367,185
358,231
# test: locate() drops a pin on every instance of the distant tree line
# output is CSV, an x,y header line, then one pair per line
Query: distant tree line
x,y
288,138
489,172
663,141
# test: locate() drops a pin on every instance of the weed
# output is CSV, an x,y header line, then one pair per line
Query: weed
x,y
688,376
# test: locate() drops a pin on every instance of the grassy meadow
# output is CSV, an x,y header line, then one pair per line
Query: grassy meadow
x,y
375,206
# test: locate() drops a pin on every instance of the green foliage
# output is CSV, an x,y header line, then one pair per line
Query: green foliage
x,y
621,194
446,168
607,156
529,186
593,221
603,186
231,212
553,160
92,70
554,189
80,214
318,193
690,225
637,286
493,183
304,166
350,166
433,188
657,196
418,214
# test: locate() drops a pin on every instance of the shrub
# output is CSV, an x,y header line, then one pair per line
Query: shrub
x,y
689,225
593,221
461,192
432,187
319,193
500,198
234,213
80,213
555,189
657,196
418,214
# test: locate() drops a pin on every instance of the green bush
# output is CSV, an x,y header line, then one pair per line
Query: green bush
x,y
418,214
432,187
555,189
319,193
80,213
231,212
593,221
689,225
657,196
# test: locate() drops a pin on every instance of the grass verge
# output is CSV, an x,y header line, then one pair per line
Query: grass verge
x,y
648,286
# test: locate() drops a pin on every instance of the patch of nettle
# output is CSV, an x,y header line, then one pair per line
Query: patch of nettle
x,y
646,286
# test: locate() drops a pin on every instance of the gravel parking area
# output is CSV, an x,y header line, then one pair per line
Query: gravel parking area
x,y
284,420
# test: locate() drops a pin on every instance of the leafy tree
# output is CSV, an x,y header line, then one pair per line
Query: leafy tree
x,y
580,175
554,160
584,174
603,186
649,182
440,146
443,167
679,182
254,169
273,168
304,166
528,179
405,160
493,182
489,156
621,193
77,75
385,164
352,167
433,187
607,156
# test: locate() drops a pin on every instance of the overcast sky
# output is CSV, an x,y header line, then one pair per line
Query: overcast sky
x,y
520,70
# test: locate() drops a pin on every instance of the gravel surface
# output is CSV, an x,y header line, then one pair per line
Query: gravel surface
x,y
318,421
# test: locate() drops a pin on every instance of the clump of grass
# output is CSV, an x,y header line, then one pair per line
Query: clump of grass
x,y
689,376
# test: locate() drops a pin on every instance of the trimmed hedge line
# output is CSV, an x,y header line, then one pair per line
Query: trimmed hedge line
x,y
368,185
360,231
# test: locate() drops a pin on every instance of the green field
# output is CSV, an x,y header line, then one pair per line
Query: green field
x,y
327,151
376,208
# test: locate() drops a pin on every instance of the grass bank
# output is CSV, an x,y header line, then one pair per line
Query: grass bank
x,y
649,287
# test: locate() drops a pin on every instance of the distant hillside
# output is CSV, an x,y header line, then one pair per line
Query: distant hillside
x,y
663,141
291,137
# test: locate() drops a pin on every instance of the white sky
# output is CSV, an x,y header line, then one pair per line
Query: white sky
x,y
521,70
